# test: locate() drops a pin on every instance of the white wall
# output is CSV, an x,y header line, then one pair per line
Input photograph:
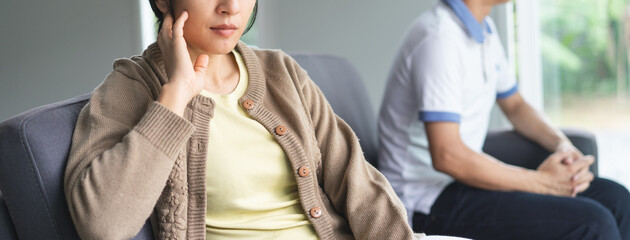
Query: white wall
x,y
367,33
53,50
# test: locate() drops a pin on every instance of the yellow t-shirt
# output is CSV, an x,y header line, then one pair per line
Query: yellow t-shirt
x,y
250,186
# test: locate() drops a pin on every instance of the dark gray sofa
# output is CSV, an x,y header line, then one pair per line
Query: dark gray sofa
x,y
33,154
34,146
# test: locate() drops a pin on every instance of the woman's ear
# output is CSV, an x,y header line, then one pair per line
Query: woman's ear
x,y
163,5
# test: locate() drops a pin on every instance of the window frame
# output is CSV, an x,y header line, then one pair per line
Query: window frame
x,y
529,55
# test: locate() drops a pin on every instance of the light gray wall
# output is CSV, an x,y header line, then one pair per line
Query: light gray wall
x,y
53,50
367,33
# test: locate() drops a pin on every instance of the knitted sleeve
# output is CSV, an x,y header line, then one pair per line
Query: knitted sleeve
x,y
123,149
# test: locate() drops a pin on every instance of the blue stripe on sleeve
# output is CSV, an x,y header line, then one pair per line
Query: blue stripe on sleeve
x,y
439,117
508,93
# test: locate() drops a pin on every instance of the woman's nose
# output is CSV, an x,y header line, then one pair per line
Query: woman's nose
x,y
229,7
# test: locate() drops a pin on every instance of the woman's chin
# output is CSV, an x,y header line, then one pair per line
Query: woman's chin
x,y
220,47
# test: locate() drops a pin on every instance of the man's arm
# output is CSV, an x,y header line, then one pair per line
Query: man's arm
x,y
531,124
451,156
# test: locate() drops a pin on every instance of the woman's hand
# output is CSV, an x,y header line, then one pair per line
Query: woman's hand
x,y
185,80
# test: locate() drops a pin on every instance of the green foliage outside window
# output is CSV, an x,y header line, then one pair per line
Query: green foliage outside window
x,y
585,47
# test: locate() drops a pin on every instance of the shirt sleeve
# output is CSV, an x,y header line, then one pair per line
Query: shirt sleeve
x,y
436,79
506,85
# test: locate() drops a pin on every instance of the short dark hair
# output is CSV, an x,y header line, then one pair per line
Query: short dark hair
x,y
160,16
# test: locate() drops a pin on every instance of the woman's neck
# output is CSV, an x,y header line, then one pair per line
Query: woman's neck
x,y
222,74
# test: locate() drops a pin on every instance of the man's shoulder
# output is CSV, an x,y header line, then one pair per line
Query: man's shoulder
x,y
439,20
432,29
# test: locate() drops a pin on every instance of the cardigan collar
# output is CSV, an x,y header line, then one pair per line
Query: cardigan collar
x,y
256,88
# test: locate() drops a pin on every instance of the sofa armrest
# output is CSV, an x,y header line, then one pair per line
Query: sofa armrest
x,y
512,148
6,225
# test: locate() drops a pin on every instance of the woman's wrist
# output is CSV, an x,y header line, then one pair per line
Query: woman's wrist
x,y
175,97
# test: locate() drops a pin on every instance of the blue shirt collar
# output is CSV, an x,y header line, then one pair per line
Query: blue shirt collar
x,y
474,28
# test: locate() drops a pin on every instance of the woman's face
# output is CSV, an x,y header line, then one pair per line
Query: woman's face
x,y
214,26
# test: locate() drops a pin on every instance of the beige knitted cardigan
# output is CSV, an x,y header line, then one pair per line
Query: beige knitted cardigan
x,y
131,158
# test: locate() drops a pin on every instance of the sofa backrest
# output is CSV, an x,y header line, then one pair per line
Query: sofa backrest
x,y
33,154
345,91
6,225
33,151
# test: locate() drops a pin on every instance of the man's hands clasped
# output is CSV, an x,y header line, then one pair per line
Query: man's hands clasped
x,y
566,172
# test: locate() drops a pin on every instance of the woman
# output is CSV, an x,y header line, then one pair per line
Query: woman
x,y
213,139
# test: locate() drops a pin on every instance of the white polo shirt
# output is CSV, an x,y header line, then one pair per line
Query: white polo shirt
x,y
450,68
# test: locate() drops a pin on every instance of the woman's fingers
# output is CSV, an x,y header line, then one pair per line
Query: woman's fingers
x,y
178,26
180,70
201,64
171,30
164,36
167,24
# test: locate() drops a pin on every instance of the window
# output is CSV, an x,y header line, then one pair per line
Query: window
x,y
579,53
147,24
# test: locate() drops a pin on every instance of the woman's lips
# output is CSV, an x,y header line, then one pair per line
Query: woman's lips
x,y
224,30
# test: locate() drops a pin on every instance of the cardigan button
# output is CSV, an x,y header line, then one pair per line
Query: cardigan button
x,y
316,212
304,171
281,130
248,104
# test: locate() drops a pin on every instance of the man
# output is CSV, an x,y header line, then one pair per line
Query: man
x,y
450,70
